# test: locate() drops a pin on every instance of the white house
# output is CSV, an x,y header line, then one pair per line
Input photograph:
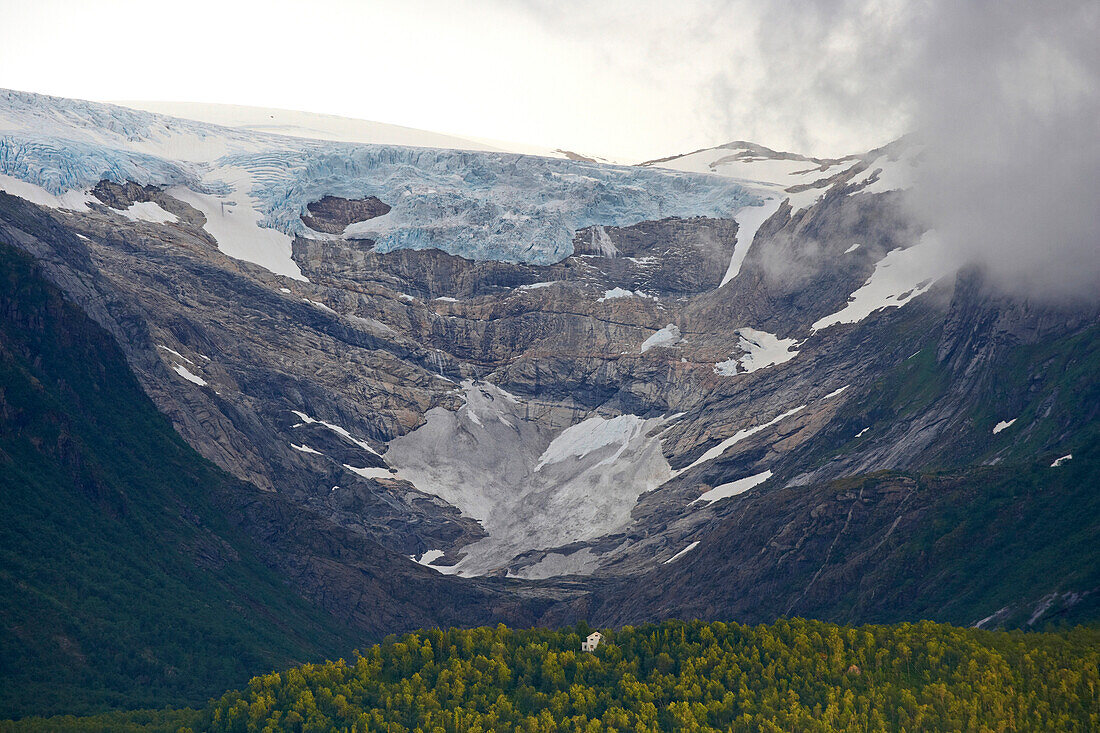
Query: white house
x,y
593,641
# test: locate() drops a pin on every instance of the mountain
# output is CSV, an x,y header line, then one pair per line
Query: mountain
x,y
135,572
122,571
736,384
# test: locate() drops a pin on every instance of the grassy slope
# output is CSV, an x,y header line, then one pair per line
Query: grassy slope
x,y
121,583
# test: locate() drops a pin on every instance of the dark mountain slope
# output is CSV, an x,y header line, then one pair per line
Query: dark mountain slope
x,y
136,573
1016,545
122,582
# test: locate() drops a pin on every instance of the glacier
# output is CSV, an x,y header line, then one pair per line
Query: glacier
x,y
478,205
60,165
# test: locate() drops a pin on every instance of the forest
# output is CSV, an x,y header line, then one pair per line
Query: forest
x,y
792,675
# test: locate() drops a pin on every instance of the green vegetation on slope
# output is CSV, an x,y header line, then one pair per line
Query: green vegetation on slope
x,y
130,721
121,582
957,546
791,675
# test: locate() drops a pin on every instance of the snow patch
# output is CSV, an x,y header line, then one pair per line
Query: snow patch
x,y
189,375
149,211
590,435
1002,425
319,304
900,276
682,552
615,293
749,220
853,248
234,223
175,353
665,338
536,286
372,472
733,488
762,350
1062,460
306,419
306,449
72,200
737,437
429,557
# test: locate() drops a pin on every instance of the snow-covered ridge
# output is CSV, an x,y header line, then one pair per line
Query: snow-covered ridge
x,y
782,176
479,205
314,126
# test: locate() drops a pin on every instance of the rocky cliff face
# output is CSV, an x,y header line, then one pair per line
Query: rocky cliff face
x,y
595,416
333,215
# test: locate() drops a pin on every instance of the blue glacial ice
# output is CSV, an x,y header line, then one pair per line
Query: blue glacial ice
x,y
479,205
59,165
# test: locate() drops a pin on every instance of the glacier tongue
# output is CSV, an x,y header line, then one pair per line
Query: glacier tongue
x,y
481,206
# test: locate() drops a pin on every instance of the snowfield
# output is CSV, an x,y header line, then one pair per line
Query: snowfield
x,y
510,473
900,276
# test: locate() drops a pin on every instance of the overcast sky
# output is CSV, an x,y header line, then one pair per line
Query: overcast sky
x,y
630,79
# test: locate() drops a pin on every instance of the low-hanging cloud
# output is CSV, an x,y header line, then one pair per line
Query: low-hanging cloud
x,y
1006,105
1002,97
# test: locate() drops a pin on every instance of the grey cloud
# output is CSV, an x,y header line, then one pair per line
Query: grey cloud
x,y
1002,95
1006,103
